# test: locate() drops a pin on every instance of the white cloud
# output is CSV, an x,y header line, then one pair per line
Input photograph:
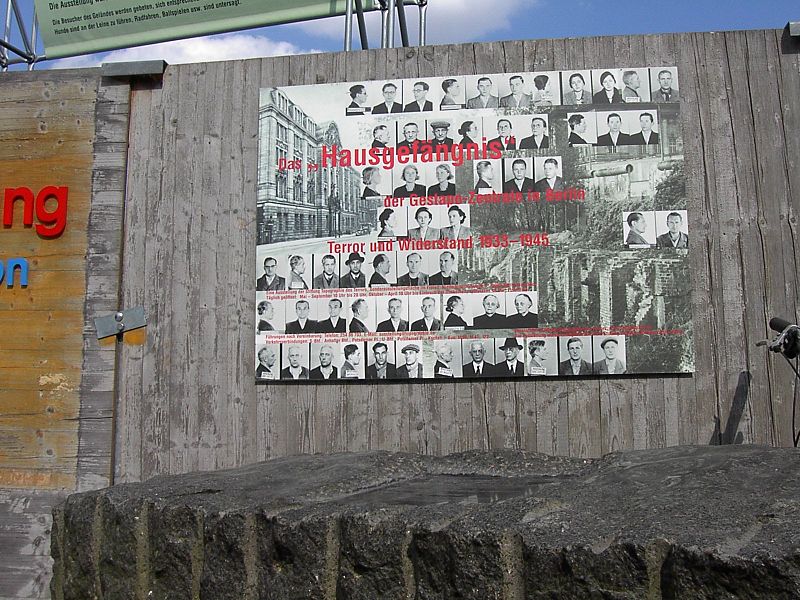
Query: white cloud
x,y
448,21
230,46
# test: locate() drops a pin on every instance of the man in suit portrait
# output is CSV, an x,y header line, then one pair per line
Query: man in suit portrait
x,y
428,322
511,366
302,324
415,276
674,238
270,281
610,364
614,137
446,275
295,370
630,93
335,323
484,99
577,128
297,269
520,183
517,98
412,369
328,279
574,365
358,96
382,266
539,139
266,314
388,105
478,367
525,317
440,137
646,136
266,364
381,368
410,137
352,358
443,369
395,322
326,369
360,310
551,182
665,92
354,278
380,135
505,139
420,103
638,225
491,319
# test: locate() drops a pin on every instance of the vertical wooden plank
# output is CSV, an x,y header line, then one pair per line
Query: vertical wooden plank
x,y
552,417
617,422
584,418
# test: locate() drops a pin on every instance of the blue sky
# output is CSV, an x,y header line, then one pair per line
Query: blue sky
x,y
452,21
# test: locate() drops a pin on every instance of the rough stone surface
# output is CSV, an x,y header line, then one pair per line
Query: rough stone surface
x,y
690,522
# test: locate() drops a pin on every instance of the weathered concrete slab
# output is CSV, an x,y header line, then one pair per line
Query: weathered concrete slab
x,y
690,522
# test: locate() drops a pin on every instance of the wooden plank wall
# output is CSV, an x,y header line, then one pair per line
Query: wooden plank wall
x,y
187,399
56,381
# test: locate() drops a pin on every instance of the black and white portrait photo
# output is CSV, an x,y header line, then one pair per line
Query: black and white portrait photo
x,y
381,269
418,95
295,361
541,355
442,358
409,360
391,100
300,272
392,222
441,135
452,93
442,178
298,317
607,84
382,133
446,272
645,128
488,176
518,175
330,315
411,133
672,230
324,361
351,273
609,355
361,315
510,355
409,180
458,223
482,91
505,138
577,87
376,182
358,99
664,84
635,85
326,271
269,315
515,91
455,315
582,128
488,310
392,314
548,171
612,131
546,88
478,357
524,314
267,362
575,355
270,279
381,359
425,312
638,228
413,275
353,360
539,137
424,223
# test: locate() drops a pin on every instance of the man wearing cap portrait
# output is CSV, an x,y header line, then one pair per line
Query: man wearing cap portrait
x,y
354,278
609,364
440,137
412,369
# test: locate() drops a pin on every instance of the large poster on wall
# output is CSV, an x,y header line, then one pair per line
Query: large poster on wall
x,y
526,224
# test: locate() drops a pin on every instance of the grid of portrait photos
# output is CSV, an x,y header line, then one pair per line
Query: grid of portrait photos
x,y
509,225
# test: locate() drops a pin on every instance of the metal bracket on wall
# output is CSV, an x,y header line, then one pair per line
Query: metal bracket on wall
x,y
794,28
119,322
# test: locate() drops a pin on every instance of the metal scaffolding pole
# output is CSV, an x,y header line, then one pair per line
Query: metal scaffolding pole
x,y
348,26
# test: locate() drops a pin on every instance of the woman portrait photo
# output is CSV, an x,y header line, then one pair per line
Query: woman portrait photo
x,y
371,178
387,221
444,185
456,230
468,132
423,217
410,186
455,307
542,96
609,94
